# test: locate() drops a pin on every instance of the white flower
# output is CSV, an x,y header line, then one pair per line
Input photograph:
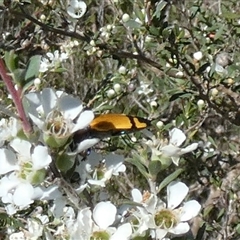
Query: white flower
x,y
52,61
15,193
24,162
76,9
35,228
81,228
162,219
144,89
173,150
57,114
104,215
28,166
98,170
93,224
39,158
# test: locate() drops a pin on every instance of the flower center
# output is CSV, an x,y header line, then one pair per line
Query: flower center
x,y
166,219
78,11
56,124
100,236
100,171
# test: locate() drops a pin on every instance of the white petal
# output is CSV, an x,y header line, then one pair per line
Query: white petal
x,y
21,146
40,157
181,228
49,193
49,100
104,214
11,209
175,160
176,192
100,183
120,168
22,196
115,162
136,195
84,220
123,232
170,150
177,137
85,144
31,102
37,121
190,210
83,120
189,148
160,233
70,106
7,183
8,161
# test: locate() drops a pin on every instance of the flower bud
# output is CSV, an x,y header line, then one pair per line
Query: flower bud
x,y
198,56
125,17
122,70
117,88
200,104
214,92
159,124
110,93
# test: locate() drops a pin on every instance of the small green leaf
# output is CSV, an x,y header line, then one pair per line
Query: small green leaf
x,y
32,68
154,31
221,213
141,168
159,8
133,24
18,76
11,60
65,162
230,15
169,179
238,228
139,14
219,32
154,168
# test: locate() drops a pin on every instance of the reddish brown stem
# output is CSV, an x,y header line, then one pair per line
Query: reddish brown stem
x,y
16,96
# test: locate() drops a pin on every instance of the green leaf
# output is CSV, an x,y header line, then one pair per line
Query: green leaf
x,y
32,70
65,162
18,76
159,8
219,32
230,15
133,24
154,31
139,14
139,166
154,168
11,60
169,179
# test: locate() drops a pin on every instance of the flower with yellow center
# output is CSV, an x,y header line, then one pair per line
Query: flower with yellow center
x,y
162,219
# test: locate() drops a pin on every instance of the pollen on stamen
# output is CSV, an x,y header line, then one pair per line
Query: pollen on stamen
x,y
56,124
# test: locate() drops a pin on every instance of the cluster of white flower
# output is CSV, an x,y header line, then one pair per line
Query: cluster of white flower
x,y
52,61
56,117
34,166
